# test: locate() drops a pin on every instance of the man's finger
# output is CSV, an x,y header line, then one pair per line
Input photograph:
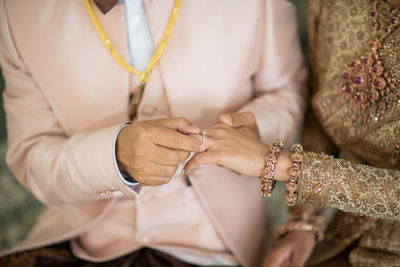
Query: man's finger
x,y
148,180
154,180
167,156
181,125
169,138
154,169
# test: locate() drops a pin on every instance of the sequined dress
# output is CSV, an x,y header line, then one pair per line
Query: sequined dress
x,y
355,62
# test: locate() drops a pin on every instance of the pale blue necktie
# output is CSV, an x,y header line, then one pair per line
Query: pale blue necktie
x,y
141,47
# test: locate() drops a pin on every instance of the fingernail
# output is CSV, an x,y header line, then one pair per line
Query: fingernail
x,y
227,119
202,148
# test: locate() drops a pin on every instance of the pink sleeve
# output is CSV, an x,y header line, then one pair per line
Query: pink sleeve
x,y
280,82
57,168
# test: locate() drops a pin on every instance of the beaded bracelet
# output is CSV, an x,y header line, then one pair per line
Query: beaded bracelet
x,y
294,173
315,225
267,183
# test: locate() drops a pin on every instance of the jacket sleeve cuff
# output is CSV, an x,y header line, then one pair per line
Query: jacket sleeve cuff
x,y
316,178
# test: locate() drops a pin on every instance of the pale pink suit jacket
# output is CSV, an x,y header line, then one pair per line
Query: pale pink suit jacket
x,y
66,97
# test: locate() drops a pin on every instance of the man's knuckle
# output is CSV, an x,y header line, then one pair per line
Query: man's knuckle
x,y
139,153
136,168
140,165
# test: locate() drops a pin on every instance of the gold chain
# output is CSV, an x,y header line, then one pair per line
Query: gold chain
x,y
143,76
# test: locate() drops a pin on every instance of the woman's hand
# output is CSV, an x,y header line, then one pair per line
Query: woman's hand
x,y
238,149
293,250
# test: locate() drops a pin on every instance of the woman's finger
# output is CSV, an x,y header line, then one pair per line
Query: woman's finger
x,y
237,120
210,142
207,157
219,131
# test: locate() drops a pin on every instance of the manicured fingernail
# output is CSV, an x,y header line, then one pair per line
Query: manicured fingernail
x,y
227,119
202,148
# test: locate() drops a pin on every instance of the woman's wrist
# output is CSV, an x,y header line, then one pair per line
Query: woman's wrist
x,y
282,167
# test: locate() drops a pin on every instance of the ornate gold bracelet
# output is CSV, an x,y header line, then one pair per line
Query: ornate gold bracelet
x,y
267,182
314,224
303,222
294,173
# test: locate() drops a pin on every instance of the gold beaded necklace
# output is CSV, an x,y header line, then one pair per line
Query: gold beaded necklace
x,y
143,76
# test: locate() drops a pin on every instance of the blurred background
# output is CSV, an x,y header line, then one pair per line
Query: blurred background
x,y
19,209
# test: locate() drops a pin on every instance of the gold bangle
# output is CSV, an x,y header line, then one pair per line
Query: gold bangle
x,y
315,225
267,182
294,173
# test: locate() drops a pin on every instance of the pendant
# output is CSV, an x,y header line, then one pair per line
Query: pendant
x,y
135,103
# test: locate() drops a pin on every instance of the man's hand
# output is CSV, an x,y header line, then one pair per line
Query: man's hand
x,y
293,250
237,120
150,151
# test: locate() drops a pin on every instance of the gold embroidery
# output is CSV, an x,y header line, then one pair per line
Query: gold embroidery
x,y
366,94
339,33
315,178
364,189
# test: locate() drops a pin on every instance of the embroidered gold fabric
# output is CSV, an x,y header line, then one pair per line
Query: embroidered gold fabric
x,y
350,187
366,183
315,179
